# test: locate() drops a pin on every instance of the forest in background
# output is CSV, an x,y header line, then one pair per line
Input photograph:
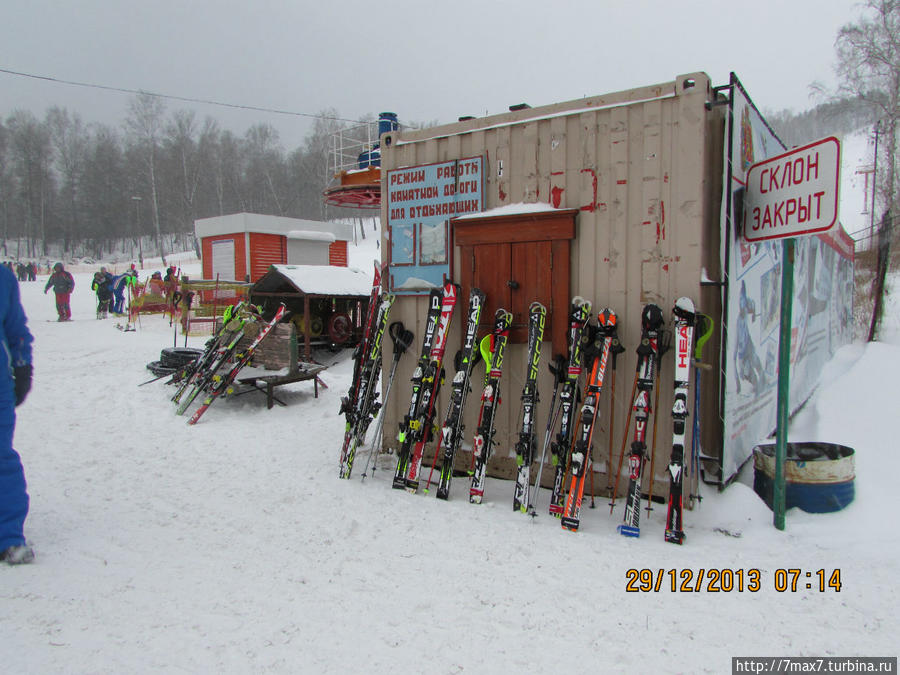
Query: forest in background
x,y
70,188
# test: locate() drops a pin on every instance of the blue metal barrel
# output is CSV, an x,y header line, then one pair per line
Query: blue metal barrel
x,y
819,477
387,122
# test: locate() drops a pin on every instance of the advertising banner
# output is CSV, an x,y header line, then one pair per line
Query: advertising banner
x,y
823,297
421,200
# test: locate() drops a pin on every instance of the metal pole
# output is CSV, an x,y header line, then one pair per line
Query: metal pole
x,y
784,383
874,184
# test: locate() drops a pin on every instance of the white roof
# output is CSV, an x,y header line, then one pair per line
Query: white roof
x,y
327,279
263,224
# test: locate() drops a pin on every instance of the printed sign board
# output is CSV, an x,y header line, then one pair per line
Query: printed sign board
x,y
794,193
421,200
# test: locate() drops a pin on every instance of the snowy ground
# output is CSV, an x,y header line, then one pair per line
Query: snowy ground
x,y
232,546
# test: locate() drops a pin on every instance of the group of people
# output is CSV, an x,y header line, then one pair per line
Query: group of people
x,y
110,291
15,383
24,271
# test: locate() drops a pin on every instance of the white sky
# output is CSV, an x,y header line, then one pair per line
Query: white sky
x,y
423,60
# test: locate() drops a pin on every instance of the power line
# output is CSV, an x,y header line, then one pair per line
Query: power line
x,y
173,97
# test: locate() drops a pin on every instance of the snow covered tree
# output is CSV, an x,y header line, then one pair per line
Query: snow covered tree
x,y
868,64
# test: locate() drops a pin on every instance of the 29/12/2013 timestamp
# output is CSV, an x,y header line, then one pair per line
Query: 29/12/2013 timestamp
x,y
714,580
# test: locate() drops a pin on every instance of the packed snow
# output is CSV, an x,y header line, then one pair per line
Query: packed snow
x,y
232,546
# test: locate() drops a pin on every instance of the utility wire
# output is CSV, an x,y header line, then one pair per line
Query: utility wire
x,y
172,97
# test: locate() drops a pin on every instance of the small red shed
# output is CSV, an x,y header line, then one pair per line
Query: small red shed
x,y
242,246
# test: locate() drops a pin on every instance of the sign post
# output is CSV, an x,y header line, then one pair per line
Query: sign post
x,y
790,195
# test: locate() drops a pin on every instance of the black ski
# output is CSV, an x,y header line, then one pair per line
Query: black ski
x,y
648,356
406,435
492,349
366,407
537,316
451,431
579,317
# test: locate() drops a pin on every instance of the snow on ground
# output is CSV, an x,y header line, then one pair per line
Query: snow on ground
x,y
232,547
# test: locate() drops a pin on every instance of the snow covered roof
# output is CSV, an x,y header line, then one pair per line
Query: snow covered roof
x,y
311,236
264,224
512,210
319,279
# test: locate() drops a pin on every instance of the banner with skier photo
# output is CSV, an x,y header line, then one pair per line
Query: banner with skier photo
x,y
823,298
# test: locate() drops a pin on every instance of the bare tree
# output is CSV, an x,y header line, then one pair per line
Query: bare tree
x,y
868,65
144,125
69,138
30,155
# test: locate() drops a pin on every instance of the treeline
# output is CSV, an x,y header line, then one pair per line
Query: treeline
x,y
82,189
842,116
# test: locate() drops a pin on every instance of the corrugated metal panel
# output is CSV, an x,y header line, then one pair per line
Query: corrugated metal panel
x,y
640,166
266,250
337,254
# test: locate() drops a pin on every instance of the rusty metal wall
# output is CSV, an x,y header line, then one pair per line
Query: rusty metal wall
x,y
644,169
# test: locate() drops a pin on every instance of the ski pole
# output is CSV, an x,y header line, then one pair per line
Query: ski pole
x,y
612,502
665,342
437,447
616,349
551,423
402,338
705,329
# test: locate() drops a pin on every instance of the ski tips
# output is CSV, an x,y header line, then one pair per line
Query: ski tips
x,y
606,318
580,304
684,308
651,317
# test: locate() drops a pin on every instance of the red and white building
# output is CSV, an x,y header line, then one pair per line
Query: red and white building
x,y
242,246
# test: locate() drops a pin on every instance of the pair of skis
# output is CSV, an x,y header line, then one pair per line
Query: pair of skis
x,y
359,415
222,385
350,404
648,361
605,342
493,348
416,426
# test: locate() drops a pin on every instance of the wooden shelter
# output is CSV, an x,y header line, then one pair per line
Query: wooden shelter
x,y
327,304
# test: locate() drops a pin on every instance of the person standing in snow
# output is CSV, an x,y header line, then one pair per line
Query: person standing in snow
x,y
63,284
100,285
15,383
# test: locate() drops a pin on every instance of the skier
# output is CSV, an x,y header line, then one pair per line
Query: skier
x,y
63,284
15,382
119,284
100,285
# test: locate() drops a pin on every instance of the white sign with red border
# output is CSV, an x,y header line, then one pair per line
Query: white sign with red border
x,y
795,193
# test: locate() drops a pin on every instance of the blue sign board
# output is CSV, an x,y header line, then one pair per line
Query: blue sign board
x,y
421,200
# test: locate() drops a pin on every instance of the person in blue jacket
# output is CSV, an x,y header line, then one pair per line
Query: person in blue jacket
x,y
15,383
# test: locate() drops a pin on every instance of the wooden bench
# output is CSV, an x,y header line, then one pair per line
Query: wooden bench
x,y
278,352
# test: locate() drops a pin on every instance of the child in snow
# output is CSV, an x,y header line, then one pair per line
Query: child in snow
x,y
100,285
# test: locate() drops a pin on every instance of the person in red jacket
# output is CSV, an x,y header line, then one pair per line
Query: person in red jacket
x,y
63,284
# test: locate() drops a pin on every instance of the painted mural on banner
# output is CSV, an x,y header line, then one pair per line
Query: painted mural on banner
x,y
421,200
823,299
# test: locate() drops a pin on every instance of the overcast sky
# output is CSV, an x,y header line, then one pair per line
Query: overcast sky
x,y
423,60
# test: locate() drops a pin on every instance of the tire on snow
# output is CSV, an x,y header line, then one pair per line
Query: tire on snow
x,y
159,369
177,357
